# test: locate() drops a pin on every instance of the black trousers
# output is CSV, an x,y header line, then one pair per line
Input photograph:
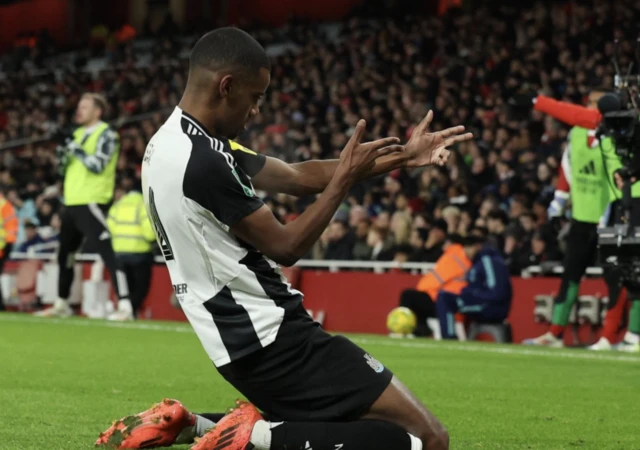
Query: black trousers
x,y
582,243
137,268
87,222
5,256
422,306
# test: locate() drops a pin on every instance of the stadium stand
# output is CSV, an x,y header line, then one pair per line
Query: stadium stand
x,y
464,65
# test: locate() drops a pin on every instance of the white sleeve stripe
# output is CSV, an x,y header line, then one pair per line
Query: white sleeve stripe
x,y
215,143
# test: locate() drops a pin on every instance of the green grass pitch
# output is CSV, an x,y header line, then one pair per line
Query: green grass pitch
x,y
62,382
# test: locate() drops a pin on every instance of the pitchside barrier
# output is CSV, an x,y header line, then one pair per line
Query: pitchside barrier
x,y
347,296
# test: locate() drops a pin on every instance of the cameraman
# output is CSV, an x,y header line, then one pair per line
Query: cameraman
x,y
614,276
590,118
589,192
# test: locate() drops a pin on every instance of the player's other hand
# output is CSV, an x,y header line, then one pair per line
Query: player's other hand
x,y
357,159
425,148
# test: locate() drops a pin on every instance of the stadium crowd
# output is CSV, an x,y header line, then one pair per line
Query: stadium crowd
x,y
465,66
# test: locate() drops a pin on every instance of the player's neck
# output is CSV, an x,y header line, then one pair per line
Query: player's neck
x,y
197,109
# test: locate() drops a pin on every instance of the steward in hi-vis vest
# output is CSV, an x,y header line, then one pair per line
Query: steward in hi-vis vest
x,y
87,161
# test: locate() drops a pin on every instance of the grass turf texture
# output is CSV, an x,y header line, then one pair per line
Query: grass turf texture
x,y
63,382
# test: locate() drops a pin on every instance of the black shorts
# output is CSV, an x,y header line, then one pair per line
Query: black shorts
x,y
309,375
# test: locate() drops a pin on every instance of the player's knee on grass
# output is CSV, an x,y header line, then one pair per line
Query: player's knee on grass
x,y
400,406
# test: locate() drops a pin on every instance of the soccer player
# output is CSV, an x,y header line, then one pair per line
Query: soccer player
x,y
89,159
223,247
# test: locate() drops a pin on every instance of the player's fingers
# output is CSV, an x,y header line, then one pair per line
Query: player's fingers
x,y
422,126
451,131
443,157
357,133
459,138
380,143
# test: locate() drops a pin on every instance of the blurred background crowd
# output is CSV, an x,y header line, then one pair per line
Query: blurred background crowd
x,y
465,65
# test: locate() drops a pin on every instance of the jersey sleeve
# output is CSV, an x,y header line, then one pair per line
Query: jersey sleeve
x,y
213,180
250,161
574,115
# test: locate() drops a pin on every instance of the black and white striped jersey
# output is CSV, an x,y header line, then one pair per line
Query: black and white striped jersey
x,y
196,187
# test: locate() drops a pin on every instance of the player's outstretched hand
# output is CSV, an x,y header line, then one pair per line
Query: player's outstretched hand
x,y
357,158
426,148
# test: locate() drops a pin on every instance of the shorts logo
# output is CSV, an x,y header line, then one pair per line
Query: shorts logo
x,y
374,363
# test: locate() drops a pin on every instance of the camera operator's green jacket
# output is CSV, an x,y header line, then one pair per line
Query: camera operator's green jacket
x,y
590,190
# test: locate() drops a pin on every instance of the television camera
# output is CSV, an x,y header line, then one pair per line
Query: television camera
x,y
619,245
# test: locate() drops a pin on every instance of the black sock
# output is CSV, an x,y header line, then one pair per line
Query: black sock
x,y
358,435
217,417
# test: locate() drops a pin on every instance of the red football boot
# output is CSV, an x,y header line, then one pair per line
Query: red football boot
x,y
233,432
159,426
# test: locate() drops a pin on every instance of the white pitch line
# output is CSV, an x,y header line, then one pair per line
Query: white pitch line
x,y
97,323
492,348
431,345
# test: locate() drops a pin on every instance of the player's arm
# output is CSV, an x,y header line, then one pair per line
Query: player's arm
x,y
562,192
286,244
107,145
312,177
574,115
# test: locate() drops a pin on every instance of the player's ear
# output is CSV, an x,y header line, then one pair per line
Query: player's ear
x,y
225,86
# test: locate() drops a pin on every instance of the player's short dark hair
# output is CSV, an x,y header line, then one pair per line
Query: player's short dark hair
x,y
229,48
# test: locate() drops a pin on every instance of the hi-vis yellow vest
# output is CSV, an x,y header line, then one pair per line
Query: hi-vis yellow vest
x,y
81,186
589,185
129,224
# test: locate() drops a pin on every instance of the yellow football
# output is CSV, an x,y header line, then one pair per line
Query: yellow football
x,y
401,320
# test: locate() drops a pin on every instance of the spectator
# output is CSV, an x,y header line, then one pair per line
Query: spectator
x,y
31,238
538,250
401,227
357,214
381,248
451,215
340,242
496,224
433,247
417,242
385,70
361,250
25,211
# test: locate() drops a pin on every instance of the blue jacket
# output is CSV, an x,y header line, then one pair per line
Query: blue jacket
x,y
489,284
